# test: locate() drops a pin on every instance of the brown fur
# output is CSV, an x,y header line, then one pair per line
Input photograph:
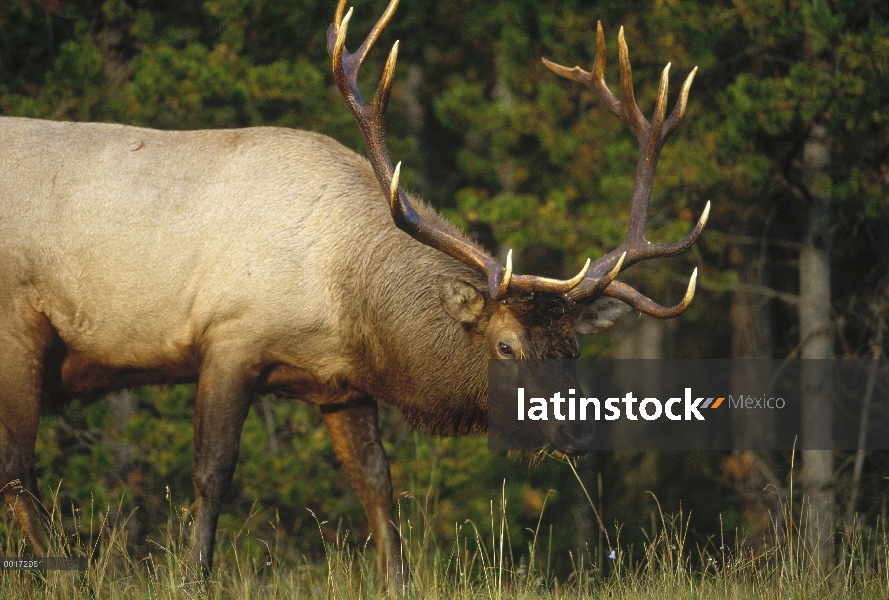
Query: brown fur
x,y
247,261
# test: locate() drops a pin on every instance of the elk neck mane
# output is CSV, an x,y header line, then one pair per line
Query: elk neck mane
x,y
415,357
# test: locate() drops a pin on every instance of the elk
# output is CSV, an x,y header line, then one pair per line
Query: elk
x,y
265,260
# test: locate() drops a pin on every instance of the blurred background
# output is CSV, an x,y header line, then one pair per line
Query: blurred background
x,y
786,132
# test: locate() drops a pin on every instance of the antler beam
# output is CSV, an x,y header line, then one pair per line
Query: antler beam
x,y
651,137
371,119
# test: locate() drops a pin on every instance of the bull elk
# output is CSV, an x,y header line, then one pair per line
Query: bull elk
x,y
264,260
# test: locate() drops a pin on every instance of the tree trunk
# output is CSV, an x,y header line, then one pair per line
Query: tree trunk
x,y
816,344
751,329
640,336
750,320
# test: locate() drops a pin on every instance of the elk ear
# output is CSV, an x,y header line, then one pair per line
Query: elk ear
x,y
460,299
600,315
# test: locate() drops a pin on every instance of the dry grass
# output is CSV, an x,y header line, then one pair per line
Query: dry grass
x,y
478,565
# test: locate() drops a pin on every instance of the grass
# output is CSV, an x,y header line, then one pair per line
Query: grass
x,y
479,565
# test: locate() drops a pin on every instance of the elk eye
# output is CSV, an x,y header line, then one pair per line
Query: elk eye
x,y
505,349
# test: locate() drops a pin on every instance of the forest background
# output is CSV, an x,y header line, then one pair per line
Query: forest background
x,y
787,133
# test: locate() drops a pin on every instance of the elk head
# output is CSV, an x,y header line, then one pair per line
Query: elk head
x,y
525,316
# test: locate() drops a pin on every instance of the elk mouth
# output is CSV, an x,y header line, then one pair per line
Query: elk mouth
x,y
578,451
563,455
569,443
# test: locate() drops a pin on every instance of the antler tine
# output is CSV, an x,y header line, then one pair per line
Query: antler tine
x,y
337,19
630,113
354,60
533,283
646,305
679,110
651,143
672,249
372,37
608,100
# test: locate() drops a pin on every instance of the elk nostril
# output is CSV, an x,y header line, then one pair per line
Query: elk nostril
x,y
573,440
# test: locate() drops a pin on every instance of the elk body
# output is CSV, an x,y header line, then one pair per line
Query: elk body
x,y
265,260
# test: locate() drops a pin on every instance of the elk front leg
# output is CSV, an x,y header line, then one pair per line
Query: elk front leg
x,y
356,438
223,400
22,349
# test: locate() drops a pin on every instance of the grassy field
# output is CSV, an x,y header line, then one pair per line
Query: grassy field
x,y
478,565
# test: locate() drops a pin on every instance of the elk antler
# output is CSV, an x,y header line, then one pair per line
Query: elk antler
x,y
600,278
371,120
